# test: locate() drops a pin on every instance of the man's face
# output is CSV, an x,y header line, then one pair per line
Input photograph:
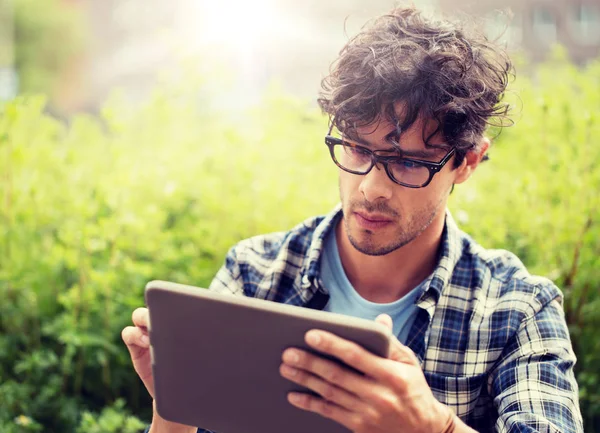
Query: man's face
x,y
381,216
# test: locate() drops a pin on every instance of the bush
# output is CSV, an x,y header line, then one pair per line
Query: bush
x,y
94,209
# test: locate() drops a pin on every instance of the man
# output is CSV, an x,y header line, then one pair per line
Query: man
x,y
482,345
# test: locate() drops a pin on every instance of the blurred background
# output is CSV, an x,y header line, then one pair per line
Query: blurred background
x,y
78,51
142,139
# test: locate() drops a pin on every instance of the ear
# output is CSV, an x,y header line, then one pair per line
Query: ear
x,y
471,161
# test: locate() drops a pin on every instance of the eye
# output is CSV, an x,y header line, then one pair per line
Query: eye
x,y
408,165
357,150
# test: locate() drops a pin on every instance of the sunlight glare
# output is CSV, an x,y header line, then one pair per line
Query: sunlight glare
x,y
236,23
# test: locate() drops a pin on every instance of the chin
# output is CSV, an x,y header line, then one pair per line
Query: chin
x,y
377,244
371,249
369,244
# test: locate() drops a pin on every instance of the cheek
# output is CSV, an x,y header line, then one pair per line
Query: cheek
x,y
418,201
348,184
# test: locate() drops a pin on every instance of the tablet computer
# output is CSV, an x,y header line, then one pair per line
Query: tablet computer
x,y
216,358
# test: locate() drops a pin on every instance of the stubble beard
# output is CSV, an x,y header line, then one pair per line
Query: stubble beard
x,y
370,244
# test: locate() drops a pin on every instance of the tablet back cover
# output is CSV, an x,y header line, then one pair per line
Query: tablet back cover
x,y
216,359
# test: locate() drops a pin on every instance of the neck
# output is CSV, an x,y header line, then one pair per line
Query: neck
x,y
387,278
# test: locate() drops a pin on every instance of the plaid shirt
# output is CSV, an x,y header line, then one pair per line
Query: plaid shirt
x,y
491,338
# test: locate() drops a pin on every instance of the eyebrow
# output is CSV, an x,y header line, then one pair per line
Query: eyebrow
x,y
417,154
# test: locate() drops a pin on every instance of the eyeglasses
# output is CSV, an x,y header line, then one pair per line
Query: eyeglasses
x,y
355,159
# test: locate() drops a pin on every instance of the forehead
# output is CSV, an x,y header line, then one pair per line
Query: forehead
x,y
422,134
397,121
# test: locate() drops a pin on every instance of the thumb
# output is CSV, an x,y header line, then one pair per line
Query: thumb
x,y
398,351
385,320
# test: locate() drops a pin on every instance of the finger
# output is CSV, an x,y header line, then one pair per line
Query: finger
x,y
398,351
385,320
136,341
141,318
327,390
138,346
326,409
327,370
401,353
348,352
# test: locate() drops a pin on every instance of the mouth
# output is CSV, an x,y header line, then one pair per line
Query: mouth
x,y
371,221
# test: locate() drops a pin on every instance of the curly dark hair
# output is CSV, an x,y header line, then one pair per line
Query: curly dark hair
x,y
441,70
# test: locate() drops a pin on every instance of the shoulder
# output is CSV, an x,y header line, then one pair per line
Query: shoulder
x,y
502,276
489,280
492,290
490,297
272,266
290,246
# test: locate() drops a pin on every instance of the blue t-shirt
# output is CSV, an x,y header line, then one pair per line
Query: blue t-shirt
x,y
344,299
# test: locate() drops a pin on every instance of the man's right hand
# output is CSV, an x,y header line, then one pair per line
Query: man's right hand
x,y
138,343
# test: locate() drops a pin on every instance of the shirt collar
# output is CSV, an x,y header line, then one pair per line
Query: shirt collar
x,y
449,253
310,270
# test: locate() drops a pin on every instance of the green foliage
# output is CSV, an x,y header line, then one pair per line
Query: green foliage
x,y
113,419
93,210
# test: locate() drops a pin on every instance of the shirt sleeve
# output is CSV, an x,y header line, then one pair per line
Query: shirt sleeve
x,y
534,385
228,278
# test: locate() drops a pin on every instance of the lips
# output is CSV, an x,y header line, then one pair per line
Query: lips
x,y
371,221
373,217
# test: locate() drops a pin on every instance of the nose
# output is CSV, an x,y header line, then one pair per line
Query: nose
x,y
376,185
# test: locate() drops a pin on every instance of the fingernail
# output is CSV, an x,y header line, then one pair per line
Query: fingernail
x,y
291,356
293,398
145,339
313,338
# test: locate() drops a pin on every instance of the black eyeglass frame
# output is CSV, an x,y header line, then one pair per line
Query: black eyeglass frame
x,y
433,167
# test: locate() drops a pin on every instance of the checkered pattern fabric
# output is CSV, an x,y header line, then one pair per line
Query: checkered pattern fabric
x,y
492,339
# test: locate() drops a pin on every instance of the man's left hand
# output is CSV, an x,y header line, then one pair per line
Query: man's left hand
x,y
391,396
